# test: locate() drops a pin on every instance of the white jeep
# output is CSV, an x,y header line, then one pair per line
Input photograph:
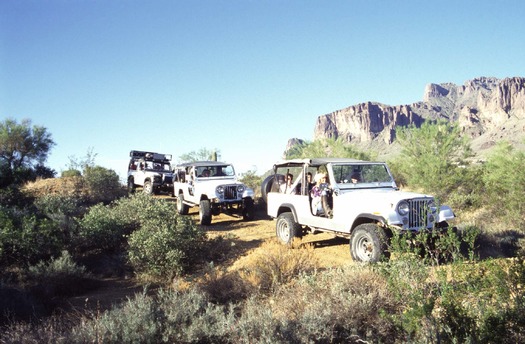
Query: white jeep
x,y
151,171
214,188
360,201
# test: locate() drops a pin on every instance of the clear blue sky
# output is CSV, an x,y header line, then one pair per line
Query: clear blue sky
x,y
241,76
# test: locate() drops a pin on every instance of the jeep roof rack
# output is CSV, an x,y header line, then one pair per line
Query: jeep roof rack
x,y
150,156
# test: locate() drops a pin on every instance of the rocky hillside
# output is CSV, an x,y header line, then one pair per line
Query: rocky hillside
x,y
487,110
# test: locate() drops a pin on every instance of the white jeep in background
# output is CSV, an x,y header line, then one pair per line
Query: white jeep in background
x,y
151,171
362,203
214,188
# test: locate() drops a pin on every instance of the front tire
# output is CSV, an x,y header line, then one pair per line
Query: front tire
x,y
248,209
368,243
148,187
205,212
287,229
182,208
131,186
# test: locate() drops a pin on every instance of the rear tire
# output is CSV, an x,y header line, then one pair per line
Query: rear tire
x,y
181,207
205,212
368,243
287,229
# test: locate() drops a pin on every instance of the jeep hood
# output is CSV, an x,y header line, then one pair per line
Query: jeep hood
x,y
385,194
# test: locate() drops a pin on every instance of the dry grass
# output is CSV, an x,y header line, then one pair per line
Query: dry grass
x,y
275,264
66,186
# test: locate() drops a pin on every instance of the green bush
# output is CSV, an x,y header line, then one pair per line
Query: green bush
x,y
170,317
59,267
433,157
103,184
101,228
163,248
26,238
71,173
252,180
505,184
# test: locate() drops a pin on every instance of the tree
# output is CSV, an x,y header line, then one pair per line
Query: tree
x,y
23,145
202,154
433,157
334,148
504,181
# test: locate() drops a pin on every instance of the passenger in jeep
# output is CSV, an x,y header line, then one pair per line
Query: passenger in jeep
x,y
319,190
286,187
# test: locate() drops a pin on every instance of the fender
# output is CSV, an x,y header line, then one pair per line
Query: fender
x,y
367,218
289,206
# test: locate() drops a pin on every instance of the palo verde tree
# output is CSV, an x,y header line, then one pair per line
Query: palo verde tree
x,y
23,147
504,182
321,148
201,155
433,157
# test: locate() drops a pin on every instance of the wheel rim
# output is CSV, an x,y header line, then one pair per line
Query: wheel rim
x,y
364,247
283,231
147,188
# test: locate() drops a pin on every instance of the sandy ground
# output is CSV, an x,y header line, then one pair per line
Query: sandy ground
x,y
246,238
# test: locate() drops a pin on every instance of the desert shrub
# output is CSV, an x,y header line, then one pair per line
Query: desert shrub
x,y
433,158
63,210
27,238
10,196
71,173
505,184
64,265
459,302
58,277
103,184
437,247
328,148
163,248
103,228
341,305
276,264
224,287
252,180
170,317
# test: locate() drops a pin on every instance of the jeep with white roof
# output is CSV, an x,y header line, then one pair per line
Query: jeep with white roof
x,y
214,188
151,171
359,201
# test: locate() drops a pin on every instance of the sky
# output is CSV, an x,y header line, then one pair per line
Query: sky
x,y
240,76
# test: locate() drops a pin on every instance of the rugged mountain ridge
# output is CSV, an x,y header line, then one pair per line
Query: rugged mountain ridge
x,y
486,109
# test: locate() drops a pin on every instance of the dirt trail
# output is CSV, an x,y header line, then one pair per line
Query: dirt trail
x,y
330,251
246,237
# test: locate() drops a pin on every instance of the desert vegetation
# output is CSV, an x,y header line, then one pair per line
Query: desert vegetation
x,y
60,236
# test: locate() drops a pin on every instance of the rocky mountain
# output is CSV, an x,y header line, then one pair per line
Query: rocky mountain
x,y
487,110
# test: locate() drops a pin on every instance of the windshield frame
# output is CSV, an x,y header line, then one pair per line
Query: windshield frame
x,y
370,175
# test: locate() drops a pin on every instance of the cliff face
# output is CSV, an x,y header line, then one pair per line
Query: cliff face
x,y
486,109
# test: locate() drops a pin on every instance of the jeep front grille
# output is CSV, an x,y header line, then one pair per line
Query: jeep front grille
x,y
230,192
418,215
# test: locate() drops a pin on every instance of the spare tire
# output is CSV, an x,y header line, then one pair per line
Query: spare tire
x,y
268,184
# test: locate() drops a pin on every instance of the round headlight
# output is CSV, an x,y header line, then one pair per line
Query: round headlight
x,y
403,208
220,190
432,207
240,188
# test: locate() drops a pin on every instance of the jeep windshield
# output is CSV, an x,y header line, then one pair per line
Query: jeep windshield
x,y
214,171
157,166
362,176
